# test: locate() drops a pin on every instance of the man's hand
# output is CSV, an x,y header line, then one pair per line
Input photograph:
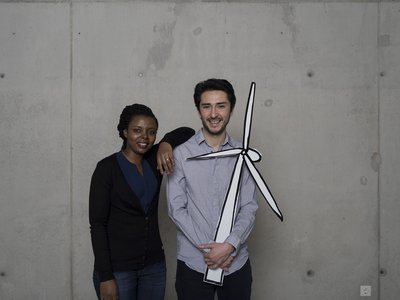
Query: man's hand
x,y
227,263
108,290
218,255
165,159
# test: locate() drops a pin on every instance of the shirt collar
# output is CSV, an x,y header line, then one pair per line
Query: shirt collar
x,y
199,137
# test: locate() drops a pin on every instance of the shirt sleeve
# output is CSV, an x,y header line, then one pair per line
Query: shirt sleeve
x,y
178,204
99,207
245,218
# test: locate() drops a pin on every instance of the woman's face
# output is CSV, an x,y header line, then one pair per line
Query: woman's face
x,y
140,134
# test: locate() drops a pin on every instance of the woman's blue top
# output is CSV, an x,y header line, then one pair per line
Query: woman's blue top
x,y
144,186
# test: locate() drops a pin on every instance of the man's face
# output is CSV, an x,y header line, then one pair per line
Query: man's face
x,y
215,112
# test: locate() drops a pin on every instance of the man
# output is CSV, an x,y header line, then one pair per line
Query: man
x,y
196,192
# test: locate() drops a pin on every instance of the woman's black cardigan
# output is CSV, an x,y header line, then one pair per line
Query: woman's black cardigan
x,y
124,238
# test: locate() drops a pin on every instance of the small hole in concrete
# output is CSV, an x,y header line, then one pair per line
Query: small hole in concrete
x,y
363,180
197,31
310,273
268,102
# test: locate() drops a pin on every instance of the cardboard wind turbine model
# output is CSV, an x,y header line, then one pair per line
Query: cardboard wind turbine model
x,y
229,209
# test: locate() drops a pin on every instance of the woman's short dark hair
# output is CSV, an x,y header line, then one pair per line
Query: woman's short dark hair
x,y
214,84
128,113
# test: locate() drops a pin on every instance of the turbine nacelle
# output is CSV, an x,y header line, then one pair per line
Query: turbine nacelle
x,y
254,155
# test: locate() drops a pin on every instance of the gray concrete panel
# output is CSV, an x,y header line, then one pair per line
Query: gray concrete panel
x,y
35,236
315,121
319,138
389,42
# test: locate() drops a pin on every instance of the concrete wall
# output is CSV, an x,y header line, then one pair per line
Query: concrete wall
x,y
327,116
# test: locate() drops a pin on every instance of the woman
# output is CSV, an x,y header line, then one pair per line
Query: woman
x,y
123,209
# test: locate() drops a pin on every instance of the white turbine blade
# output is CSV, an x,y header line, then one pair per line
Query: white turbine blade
x,y
263,187
249,116
222,153
226,220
